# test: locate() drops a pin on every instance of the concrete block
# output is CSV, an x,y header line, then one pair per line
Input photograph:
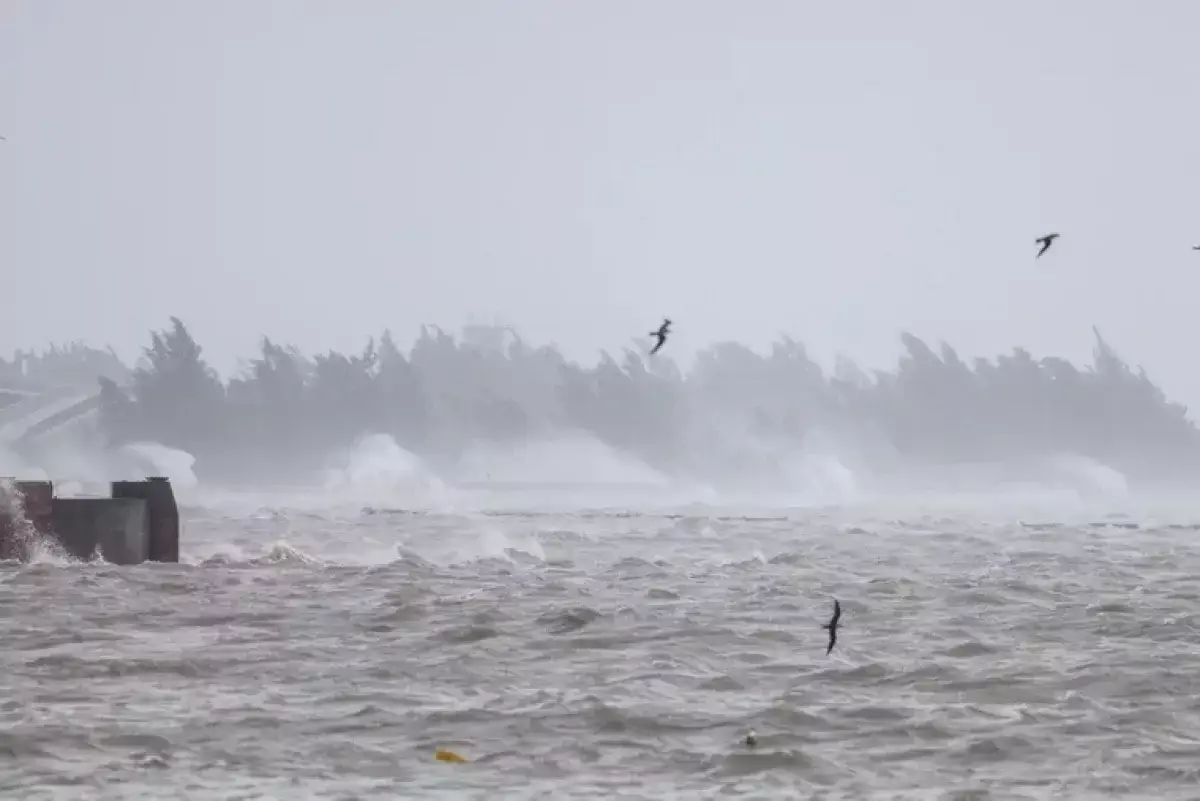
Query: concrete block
x,y
139,522
163,513
116,528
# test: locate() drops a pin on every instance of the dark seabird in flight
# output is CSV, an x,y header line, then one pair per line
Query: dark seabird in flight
x,y
832,626
661,333
1046,241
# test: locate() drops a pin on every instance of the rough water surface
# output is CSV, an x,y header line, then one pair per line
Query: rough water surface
x,y
308,654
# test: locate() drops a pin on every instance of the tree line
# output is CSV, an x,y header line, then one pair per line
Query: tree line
x,y
71,364
732,412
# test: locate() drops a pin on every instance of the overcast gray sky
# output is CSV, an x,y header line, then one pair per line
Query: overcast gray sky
x,y
837,171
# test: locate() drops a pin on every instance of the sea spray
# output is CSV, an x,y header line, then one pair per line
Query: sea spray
x,y
15,528
19,538
1090,478
377,471
154,458
568,458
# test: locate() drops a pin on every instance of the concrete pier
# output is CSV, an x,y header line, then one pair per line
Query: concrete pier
x,y
163,515
138,523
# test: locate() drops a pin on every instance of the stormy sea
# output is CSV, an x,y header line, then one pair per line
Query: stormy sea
x,y
612,642
615,614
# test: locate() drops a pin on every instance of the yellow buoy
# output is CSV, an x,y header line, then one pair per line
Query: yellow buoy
x,y
442,755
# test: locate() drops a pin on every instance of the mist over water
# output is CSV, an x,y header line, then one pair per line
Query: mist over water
x,y
488,409
738,432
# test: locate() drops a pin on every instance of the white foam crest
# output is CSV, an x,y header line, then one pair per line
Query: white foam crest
x,y
483,542
47,551
474,538
1091,478
820,477
72,452
31,545
154,458
569,458
284,553
75,457
377,471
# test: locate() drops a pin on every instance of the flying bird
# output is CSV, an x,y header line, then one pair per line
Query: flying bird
x,y
661,333
832,625
1195,247
1046,241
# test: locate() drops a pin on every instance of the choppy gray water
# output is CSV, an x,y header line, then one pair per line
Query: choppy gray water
x,y
322,655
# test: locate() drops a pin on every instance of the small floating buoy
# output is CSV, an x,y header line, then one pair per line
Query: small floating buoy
x,y
442,755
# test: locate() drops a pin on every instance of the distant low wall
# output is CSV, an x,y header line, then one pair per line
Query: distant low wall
x,y
117,529
162,511
139,523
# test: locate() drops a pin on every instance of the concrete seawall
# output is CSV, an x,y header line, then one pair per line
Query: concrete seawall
x,y
139,523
